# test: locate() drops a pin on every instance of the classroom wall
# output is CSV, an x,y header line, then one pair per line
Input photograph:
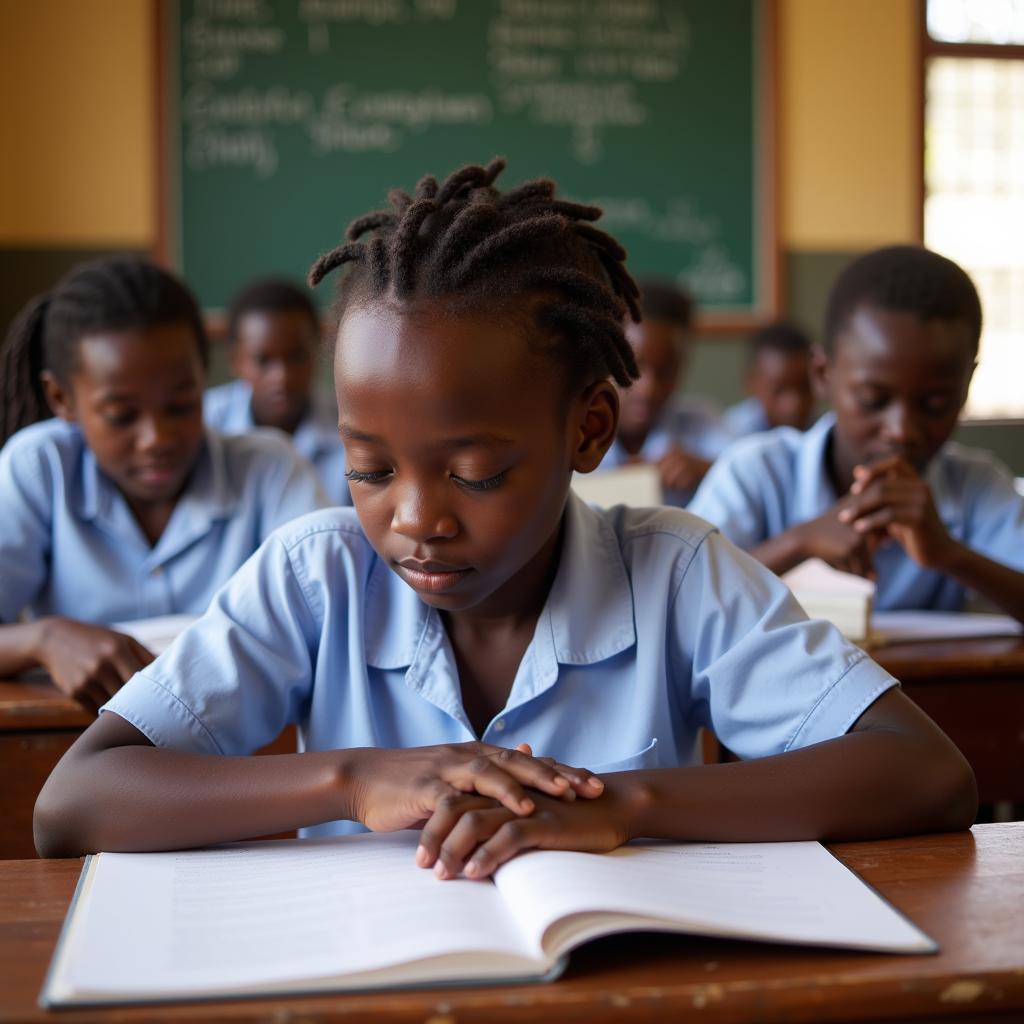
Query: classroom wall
x,y
82,180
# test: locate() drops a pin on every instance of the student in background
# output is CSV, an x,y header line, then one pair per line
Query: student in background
x,y
471,608
778,381
122,506
274,335
682,436
876,487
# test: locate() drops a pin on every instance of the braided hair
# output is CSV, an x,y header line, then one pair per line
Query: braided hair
x,y
464,239
111,294
904,279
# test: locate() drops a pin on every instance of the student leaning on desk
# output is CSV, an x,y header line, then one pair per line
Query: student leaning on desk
x,y
876,487
121,506
470,631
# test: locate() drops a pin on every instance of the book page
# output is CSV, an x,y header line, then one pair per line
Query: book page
x,y
904,626
789,892
252,915
158,633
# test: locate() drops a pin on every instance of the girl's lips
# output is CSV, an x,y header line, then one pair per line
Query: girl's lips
x,y
433,580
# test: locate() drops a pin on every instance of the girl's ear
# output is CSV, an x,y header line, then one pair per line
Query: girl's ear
x,y
58,398
596,421
820,375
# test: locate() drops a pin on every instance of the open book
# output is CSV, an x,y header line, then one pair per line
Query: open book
x,y
355,912
158,633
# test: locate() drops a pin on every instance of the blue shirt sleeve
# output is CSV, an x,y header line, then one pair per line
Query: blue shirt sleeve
x,y
995,525
733,494
290,488
242,672
765,678
27,495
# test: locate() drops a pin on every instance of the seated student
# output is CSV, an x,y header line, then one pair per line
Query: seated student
x,y
876,487
470,610
681,435
778,381
274,332
122,507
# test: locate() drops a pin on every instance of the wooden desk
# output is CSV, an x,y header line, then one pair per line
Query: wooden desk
x,y
965,889
974,689
37,725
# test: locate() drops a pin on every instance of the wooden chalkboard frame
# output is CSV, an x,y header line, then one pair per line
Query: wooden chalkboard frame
x,y
768,263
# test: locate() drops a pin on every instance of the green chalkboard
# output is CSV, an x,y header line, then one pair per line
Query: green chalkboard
x,y
286,118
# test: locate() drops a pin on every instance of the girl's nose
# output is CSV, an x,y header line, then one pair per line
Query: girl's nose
x,y
422,516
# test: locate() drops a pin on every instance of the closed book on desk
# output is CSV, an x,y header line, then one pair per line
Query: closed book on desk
x,y
350,913
838,597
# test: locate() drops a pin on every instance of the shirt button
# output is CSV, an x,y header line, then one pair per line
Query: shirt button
x,y
499,725
158,571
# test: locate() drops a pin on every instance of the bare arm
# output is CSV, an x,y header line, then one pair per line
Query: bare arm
x,y
895,773
88,662
113,790
826,537
1003,586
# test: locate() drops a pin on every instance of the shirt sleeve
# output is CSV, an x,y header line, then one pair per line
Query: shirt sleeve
x,y
26,527
995,527
238,675
291,489
731,496
765,678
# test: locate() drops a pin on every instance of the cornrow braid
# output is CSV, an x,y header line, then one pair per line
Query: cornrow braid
x,y
111,294
463,238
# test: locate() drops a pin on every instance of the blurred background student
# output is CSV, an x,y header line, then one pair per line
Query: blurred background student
x,y
681,435
777,382
274,338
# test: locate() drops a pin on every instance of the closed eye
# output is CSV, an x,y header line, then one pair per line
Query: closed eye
x,y
375,477
481,485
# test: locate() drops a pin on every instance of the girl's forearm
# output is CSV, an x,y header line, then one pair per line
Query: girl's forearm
x,y
141,797
865,785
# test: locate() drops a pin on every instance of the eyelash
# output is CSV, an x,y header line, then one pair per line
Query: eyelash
x,y
377,477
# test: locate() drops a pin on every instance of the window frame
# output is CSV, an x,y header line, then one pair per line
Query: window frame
x,y
930,48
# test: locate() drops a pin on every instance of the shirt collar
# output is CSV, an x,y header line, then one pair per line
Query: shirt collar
x,y
814,490
588,616
208,496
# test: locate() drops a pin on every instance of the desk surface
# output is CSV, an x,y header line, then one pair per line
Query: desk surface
x,y
965,889
927,660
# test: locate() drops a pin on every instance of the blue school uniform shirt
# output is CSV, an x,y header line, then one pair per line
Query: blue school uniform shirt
x,y
746,417
655,625
70,545
228,408
769,483
689,423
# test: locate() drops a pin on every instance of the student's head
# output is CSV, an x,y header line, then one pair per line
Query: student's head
x,y
779,374
901,338
118,347
477,332
274,332
661,344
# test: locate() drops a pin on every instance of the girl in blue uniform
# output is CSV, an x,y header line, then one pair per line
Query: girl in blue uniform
x,y
120,506
454,645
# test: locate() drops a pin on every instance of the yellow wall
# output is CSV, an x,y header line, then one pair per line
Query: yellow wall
x,y
80,130
849,146
76,108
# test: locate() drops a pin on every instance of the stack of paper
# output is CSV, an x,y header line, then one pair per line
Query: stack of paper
x,y
637,485
838,597
156,634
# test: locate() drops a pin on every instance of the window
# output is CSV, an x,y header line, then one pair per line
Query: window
x,y
974,177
